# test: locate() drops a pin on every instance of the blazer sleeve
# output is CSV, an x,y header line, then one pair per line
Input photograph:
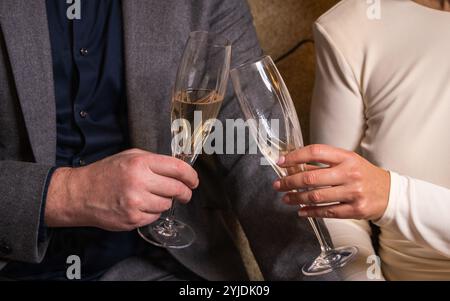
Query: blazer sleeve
x,y
22,189
280,241
337,119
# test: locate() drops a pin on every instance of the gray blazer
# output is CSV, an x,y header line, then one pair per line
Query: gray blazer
x,y
154,33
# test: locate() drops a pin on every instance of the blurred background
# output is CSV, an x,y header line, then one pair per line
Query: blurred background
x,y
285,32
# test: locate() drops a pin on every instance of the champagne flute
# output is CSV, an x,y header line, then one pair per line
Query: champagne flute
x,y
273,122
197,96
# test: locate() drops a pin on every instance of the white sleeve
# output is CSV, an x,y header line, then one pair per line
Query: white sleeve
x,y
337,119
419,211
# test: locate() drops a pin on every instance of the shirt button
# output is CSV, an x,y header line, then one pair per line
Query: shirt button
x,y
84,51
83,114
82,162
5,249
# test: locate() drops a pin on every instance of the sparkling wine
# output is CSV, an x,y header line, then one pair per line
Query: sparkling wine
x,y
194,112
272,152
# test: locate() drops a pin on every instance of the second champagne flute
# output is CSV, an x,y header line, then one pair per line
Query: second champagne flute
x,y
199,89
270,112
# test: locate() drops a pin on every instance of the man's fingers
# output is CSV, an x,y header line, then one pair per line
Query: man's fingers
x,y
146,219
169,188
155,204
319,196
173,168
343,211
319,153
310,179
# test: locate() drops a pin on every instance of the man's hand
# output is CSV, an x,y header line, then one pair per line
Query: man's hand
x,y
119,193
361,188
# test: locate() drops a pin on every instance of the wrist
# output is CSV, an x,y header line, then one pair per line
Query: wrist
x,y
383,193
395,184
63,200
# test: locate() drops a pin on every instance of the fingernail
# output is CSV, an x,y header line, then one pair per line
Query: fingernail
x,y
285,198
281,160
302,213
277,184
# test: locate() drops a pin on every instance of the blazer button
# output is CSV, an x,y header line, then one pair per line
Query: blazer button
x,y
84,51
5,249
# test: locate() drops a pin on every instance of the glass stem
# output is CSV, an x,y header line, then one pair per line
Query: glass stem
x,y
170,217
324,246
168,220
317,228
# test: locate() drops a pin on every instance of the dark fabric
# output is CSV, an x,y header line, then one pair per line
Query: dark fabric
x,y
148,266
157,265
88,71
91,116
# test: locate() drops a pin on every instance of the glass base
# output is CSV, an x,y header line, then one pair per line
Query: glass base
x,y
168,234
329,261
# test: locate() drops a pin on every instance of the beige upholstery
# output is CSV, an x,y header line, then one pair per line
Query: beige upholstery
x,y
285,31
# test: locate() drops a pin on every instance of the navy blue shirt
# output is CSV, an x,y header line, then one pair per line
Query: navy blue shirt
x,y
89,81
88,69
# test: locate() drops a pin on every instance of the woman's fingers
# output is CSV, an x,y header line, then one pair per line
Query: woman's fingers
x,y
332,211
351,187
319,153
314,178
319,196
309,167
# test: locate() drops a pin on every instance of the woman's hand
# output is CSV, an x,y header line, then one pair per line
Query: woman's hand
x,y
361,188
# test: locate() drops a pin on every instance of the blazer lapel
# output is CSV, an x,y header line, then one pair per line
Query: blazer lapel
x,y
25,29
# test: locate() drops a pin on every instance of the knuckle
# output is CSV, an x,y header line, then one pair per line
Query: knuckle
x,y
309,178
128,168
315,196
180,167
133,163
354,173
167,204
132,203
284,182
187,194
164,205
358,192
330,213
179,190
360,209
316,150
